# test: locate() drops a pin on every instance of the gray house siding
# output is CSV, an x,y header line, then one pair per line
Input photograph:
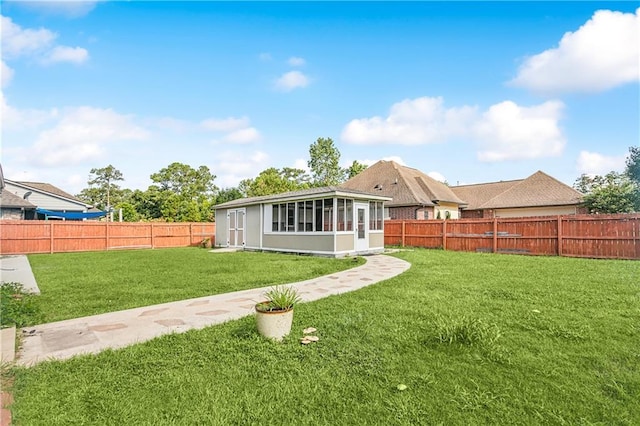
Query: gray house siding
x,y
319,221
252,227
298,243
46,201
376,239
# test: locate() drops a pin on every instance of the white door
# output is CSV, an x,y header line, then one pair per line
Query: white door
x,y
235,219
361,212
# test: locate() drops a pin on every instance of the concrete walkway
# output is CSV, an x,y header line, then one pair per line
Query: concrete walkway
x,y
16,269
89,335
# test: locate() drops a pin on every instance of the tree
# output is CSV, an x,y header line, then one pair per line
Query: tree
x,y
102,192
633,165
274,181
354,169
228,194
612,193
182,193
186,181
323,162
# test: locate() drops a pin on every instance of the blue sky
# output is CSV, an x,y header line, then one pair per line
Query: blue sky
x,y
467,92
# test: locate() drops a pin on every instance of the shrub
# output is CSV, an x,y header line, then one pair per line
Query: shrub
x,y
18,306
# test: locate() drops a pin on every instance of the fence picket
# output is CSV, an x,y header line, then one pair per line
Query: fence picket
x,y
595,236
32,236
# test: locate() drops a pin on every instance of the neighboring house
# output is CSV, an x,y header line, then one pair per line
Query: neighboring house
x,y
329,221
414,194
537,195
48,200
15,208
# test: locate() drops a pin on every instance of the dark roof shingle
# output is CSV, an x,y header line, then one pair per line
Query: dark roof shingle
x,y
10,200
405,185
537,190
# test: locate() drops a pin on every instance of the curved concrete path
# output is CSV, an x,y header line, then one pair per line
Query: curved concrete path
x,y
90,335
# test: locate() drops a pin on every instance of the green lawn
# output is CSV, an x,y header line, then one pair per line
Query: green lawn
x,y
79,284
476,339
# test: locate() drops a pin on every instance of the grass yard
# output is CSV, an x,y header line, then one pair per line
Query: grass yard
x,y
80,284
475,338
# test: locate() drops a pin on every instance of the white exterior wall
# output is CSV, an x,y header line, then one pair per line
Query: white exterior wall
x,y
46,201
443,208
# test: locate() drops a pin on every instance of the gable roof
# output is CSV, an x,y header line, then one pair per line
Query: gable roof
x,y
301,194
405,185
10,200
48,189
537,190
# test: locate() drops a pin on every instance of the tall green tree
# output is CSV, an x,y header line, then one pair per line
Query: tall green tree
x,y
274,181
103,192
184,194
228,194
355,169
324,159
633,165
612,193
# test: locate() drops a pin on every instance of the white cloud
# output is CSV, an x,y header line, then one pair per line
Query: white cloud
x,y
505,131
593,163
301,164
601,54
238,130
508,131
233,166
241,136
66,8
75,55
18,119
295,61
437,176
7,74
291,80
17,41
225,124
82,134
410,122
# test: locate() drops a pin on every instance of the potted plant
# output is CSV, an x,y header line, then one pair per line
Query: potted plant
x,y
274,316
206,243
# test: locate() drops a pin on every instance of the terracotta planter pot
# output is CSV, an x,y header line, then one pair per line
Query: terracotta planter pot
x,y
274,324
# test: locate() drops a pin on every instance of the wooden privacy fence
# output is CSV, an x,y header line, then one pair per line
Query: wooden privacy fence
x,y
54,236
595,236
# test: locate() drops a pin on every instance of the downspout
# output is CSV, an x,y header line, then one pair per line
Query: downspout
x,y
261,224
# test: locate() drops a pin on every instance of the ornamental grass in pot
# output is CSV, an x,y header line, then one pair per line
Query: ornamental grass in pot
x,y
274,315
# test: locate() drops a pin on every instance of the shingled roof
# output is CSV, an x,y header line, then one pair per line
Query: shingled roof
x,y
405,185
48,188
537,190
300,194
10,200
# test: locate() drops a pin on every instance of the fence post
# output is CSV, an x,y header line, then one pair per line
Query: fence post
x,y
403,233
190,234
50,236
444,235
152,241
495,234
107,235
559,235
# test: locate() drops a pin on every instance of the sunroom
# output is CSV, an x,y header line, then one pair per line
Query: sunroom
x,y
327,221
